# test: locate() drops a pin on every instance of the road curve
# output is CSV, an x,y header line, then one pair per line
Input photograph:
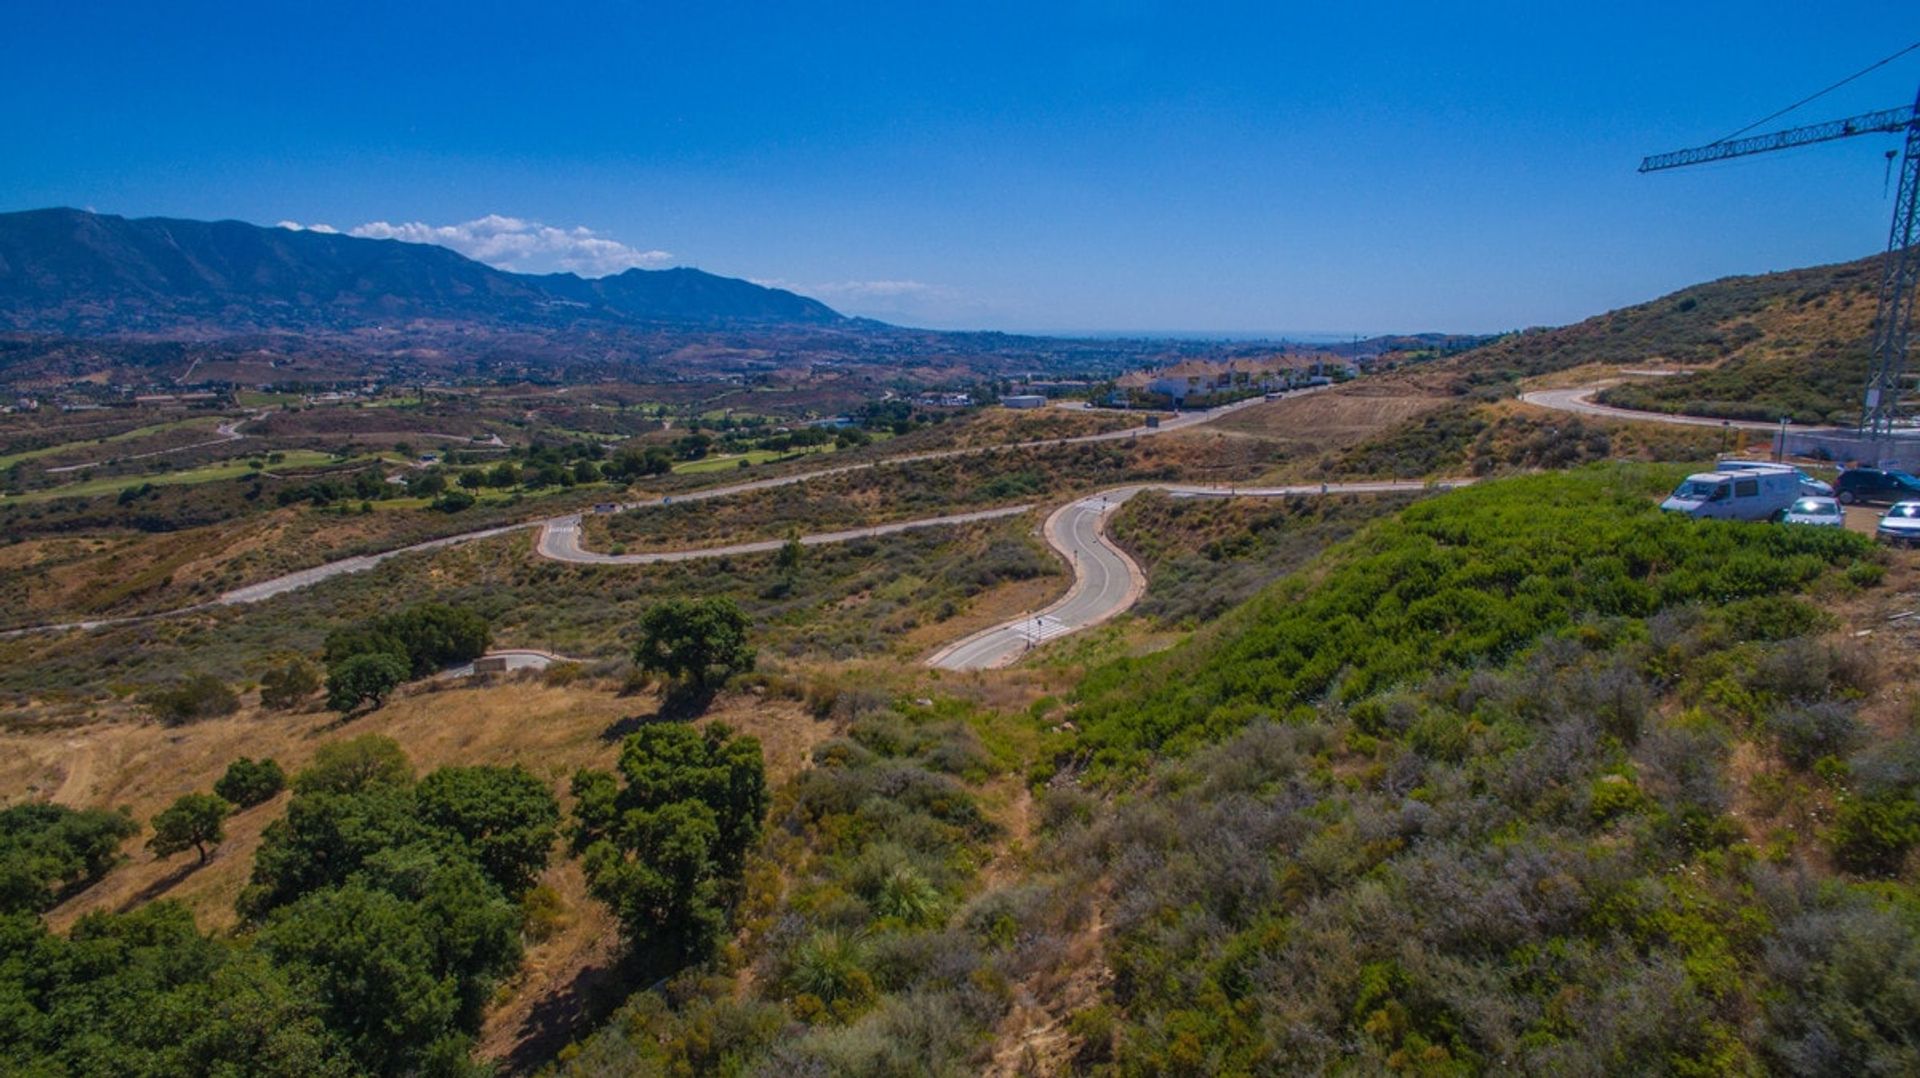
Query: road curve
x,y
303,578
1579,400
1106,581
228,431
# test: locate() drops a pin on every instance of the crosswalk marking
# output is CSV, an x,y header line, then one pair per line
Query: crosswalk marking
x,y
1041,629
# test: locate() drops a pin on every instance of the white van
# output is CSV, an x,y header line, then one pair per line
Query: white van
x,y
1809,486
1758,495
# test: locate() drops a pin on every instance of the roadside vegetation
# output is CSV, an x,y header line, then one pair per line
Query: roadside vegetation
x,y
1527,776
1478,439
1204,556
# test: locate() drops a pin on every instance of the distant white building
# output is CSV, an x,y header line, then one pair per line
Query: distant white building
x,y
944,400
1023,400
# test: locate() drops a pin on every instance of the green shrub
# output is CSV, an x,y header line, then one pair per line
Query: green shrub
x,y
201,696
286,687
1871,835
1470,578
247,782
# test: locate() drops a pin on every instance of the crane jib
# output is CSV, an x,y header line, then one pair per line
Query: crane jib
x,y
1885,120
1882,408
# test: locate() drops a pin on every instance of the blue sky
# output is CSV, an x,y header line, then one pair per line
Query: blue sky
x,y
1116,166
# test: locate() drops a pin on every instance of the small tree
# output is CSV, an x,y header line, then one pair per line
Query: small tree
x,y
701,640
363,678
194,820
791,551
202,696
248,783
284,688
354,765
664,841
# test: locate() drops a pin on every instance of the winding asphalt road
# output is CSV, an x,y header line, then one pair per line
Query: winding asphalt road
x,y
1579,399
304,578
228,431
1106,581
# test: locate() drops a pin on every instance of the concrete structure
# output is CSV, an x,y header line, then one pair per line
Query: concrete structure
x,y
1023,400
1902,450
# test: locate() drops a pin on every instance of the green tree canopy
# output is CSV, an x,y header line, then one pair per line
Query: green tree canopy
x,y
46,849
248,782
146,993
424,638
193,821
665,841
364,678
394,976
701,640
506,818
354,765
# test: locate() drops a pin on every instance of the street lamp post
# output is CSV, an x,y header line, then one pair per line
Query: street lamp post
x,y
1780,446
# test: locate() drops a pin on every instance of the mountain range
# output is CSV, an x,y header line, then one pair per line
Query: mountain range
x,y
77,273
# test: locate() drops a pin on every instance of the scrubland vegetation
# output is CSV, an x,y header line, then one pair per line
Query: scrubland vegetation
x,y
905,491
1480,439
1520,777
864,946
845,600
1466,797
1729,321
1204,556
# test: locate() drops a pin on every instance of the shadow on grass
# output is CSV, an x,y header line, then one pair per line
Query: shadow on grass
x,y
164,884
581,1005
681,702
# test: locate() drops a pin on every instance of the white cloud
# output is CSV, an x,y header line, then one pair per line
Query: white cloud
x,y
295,226
515,244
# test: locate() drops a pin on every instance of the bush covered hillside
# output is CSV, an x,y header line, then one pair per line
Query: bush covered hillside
x,y
1792,343
1529,778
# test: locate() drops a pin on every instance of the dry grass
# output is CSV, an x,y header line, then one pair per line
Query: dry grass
x,y
144,766
1338,417
552,731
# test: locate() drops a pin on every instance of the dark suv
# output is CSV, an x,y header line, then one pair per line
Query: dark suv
x,y
1874,485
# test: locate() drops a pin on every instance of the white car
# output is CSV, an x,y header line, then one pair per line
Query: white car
x,y
1900,524
1819,512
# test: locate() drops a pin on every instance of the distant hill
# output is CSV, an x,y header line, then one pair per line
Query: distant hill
x,y
1793,343
71,272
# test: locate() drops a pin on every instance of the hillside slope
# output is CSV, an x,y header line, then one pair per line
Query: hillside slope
x,y
1531,778
1791,343
69,271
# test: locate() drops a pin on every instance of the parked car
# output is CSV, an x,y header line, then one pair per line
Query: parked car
x,y
1857,485
1900,524
1819,512
1816,488
1734,495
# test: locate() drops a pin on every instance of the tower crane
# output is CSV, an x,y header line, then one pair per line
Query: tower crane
x,y
1893,318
